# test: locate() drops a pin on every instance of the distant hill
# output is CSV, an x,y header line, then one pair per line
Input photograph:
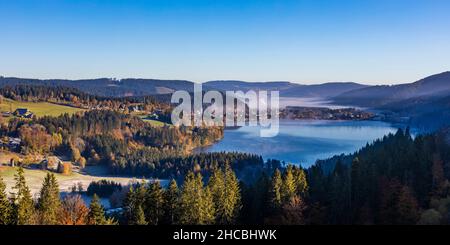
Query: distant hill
x,y
424,104
378,96
288,89
427,113
140,87
109,87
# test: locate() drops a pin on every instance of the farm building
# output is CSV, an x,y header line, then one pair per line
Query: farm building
x,y
51,163
23,112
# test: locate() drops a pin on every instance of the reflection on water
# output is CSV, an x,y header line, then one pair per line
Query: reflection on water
x,y
303,142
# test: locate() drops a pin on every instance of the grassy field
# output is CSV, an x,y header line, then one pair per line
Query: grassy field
x,y
38,108
154,123
34,179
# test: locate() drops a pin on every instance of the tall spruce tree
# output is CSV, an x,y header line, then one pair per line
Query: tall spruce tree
x,y
216,185
49,202
139,216
96,214
207,209
231,204
5,205
288,189
190,206
133,205
301,184
171,197
23,202
275,191
154,202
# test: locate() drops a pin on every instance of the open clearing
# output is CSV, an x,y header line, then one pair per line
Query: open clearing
x,y
154,123
38,108
34,179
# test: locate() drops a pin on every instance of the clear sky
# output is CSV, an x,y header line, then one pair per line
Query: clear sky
x,y
368,41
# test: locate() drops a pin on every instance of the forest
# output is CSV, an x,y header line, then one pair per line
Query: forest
x,y
399,179
395,180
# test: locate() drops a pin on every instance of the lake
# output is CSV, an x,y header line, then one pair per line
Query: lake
x,y
303,142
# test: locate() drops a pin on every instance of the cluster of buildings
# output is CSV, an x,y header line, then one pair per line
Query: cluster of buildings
x,y
10,143
19,112
322,113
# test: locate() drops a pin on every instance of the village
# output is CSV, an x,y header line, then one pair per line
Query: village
x,y
322,113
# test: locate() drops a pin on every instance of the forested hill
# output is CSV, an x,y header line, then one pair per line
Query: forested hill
x,y
376,96
395,180
108,87
288,89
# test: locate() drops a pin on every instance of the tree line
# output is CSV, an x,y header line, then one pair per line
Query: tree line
x,y
76,98
109,138
21,209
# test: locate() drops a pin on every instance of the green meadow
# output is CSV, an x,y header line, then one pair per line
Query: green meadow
x,y
40,109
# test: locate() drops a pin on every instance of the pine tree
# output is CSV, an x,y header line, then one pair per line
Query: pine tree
x,y
207,209
216,185
288,189
190,206
154,202
139,216
5,205
232,198
275,191
134,212
24,205
49,203
301,184
171,196
96,214
355,188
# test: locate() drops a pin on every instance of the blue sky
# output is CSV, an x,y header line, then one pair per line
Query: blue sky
x,y
314,41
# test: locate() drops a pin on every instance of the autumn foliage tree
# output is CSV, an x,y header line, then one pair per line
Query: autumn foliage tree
x,y
74,211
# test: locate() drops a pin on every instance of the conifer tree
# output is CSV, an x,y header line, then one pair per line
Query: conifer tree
x,y
171,196
191,200
207,209
139,216
5,205
275,191
23,202
49,203
232,198
154,203
134,212
216,185
288,189
301,184
96,214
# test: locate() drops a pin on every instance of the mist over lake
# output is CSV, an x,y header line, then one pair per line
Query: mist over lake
x,y
303,142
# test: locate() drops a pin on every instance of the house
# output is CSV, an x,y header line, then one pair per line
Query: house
x,y
134,108
51,163
6,114
14,142
153,116
11,143
23,112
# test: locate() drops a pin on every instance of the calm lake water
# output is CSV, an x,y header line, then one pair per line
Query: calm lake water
x,y
303,142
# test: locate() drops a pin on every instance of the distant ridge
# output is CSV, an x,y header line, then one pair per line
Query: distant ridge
x,y
376,96
108,86
288,89
345,93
